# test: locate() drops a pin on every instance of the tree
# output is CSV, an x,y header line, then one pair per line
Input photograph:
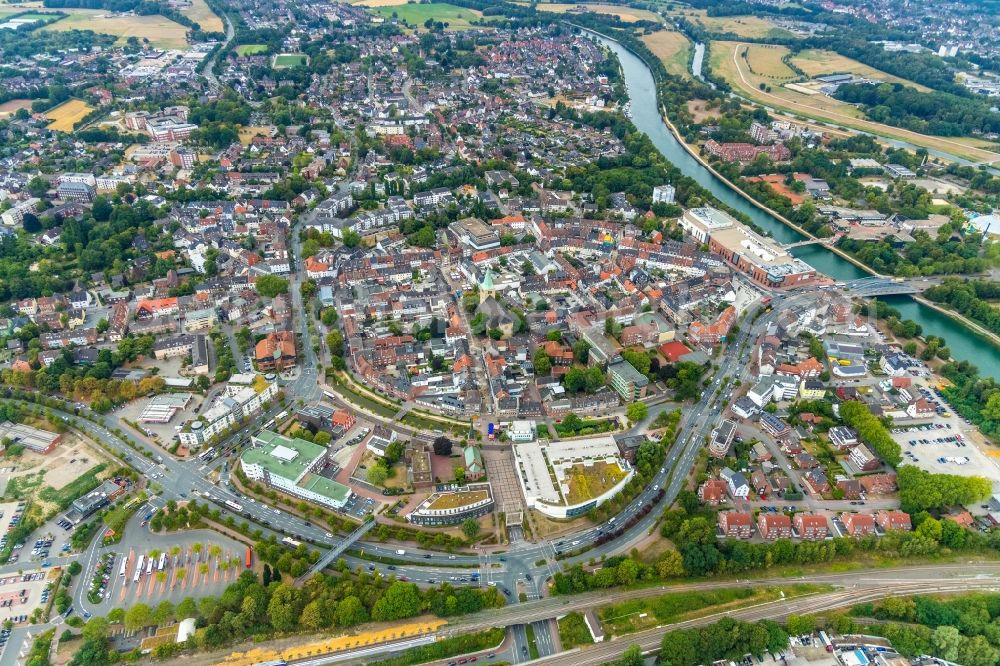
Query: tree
x,y
470,528
801,624
443,446
138,617
350,611
377,475
271,285
947,640
636,412
312,616
400,601
351,238
631,657
284,607
335,343
542,362
638,359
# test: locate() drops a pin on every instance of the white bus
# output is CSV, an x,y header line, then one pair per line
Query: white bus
x,y
207,455
138,568
163,560
238,508
121,570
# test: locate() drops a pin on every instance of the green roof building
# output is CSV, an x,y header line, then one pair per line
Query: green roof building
x,y
293,466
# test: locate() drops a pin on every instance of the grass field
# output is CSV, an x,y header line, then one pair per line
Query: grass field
x,y
160,32
672,48
10,107
283,60
202,14
457,18
66,115
741,26
768,69
251,49
819,62
625,14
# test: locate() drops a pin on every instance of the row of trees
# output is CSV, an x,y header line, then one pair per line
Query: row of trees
x,y
727,639
938,113
921,491
871,431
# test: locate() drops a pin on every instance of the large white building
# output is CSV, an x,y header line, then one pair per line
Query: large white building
x,y
293,466
568,478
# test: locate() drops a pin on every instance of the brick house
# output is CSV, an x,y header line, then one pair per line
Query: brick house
x,y
774,526
858,524
811,526
736,524
893,520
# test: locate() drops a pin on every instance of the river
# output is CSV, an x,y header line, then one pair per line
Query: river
x,y
963,343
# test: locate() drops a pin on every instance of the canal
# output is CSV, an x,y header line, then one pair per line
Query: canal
x,y
964,343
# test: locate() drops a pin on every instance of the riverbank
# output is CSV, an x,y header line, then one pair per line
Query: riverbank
x,y
648,117
960,318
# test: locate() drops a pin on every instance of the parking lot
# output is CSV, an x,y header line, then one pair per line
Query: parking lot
x,y
21,593
359,507
946,444
172,567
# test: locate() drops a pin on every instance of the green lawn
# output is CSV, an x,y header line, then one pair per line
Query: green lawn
x,y
284,60
251,49
457,18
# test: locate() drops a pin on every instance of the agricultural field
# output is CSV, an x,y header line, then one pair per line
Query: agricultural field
x,y
624,14
159,31
67,114
11,107
819,62
251,49
283,60
763,67
672,48
751,27
381,3
202,14
457,18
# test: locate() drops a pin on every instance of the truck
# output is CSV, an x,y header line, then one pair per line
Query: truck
x,y
490,434
401,552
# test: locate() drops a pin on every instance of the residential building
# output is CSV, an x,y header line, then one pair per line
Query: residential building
x,y
863,458
858,524
893,520
627,381
736,524
774,526
276,351
736,483
811,526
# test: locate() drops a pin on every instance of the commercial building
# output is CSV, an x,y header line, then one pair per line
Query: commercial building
x,y
239,401
162,408
722,438
82,507
276,351
766,262
521,431
293,466
452,506
475,233
664,194
568,478
33,439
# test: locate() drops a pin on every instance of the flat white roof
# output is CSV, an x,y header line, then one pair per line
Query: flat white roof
x,y
284,454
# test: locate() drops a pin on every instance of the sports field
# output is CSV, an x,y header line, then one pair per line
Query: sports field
x,y
457,18
741,26
672,48
251,49
763,66
283,60
625,14
161,32
67,114
202,14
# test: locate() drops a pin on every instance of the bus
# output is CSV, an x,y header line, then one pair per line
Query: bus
x,y
269,425
330,394
290,543
490,434
149,566
138,568
121,570
163,560
238,508
826,641
249,557
207,455
281,415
